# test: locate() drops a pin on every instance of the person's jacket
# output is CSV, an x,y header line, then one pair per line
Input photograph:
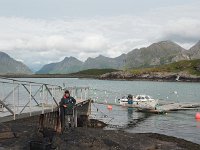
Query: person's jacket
x,y
69,102
66,105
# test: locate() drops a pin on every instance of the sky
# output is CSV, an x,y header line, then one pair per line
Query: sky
x,y
38,32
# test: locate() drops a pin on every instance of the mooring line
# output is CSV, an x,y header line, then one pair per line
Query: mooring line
x,y
105,115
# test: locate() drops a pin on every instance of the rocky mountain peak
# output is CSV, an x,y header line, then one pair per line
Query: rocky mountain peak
x,y
10,65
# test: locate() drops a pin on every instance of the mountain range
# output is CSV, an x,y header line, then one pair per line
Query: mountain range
x,y
156,54
10,65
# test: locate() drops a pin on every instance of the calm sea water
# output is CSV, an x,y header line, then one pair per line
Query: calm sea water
x,y
180,124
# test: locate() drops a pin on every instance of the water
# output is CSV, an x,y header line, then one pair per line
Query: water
x,y
180,124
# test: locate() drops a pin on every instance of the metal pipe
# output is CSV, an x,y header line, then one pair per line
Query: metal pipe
x,y
30,93
51,95
28,82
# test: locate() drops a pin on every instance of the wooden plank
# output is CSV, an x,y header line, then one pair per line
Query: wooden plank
x,y
172,107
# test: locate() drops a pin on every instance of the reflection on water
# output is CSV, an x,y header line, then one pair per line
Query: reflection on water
x,y
198,123
130,117
130,113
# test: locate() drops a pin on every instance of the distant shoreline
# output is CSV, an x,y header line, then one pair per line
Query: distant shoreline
x,y
46,76
99,78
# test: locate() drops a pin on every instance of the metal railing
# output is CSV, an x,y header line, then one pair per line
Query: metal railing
x,y
18,97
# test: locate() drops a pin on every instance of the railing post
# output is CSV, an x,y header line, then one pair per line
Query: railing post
x,y
18,98
81,95
88,92
85,94
53,95
72,92
47,101
76,93
42,99
30,98
14,116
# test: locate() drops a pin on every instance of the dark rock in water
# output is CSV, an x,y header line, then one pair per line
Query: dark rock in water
x,y
82,121
93,123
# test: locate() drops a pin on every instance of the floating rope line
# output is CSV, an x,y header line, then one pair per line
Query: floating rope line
x,y
104,115
98,110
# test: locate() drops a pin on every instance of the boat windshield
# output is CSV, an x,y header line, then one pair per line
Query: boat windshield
x,y
143,97
147,97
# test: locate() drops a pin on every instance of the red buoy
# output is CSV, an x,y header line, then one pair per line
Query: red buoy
x,y
197,116
109,107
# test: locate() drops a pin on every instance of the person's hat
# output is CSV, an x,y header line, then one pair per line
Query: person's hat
x,y
67,92
130,96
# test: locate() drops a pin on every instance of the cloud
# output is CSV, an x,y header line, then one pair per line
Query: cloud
x,y
35,40
183,30
179,23
40,41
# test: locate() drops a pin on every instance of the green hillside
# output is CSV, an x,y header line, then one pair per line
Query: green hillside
x,y
189,66
94,72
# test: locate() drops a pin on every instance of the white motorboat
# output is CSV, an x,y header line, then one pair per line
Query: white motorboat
x,y
123,100
140,101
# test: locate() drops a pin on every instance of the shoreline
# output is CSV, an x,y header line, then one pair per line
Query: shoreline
x,y
192,80
91,138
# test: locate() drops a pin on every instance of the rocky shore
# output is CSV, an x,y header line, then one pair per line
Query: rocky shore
x,y
88,139
152,76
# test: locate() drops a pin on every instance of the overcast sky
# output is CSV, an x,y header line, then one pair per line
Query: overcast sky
x,y
37,32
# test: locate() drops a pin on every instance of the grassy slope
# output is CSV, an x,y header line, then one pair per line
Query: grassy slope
x,y
94,72
189,66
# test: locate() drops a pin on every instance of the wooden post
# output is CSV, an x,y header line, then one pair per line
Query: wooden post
x,y
75,117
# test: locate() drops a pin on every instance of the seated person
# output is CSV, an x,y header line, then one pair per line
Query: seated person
x,y
130,99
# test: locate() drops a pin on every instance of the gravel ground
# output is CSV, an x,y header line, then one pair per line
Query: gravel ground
x,y
89,139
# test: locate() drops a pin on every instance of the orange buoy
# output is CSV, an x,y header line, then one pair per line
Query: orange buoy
x,y
197,116
109,107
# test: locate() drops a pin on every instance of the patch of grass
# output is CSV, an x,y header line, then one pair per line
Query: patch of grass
x,y
94,72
